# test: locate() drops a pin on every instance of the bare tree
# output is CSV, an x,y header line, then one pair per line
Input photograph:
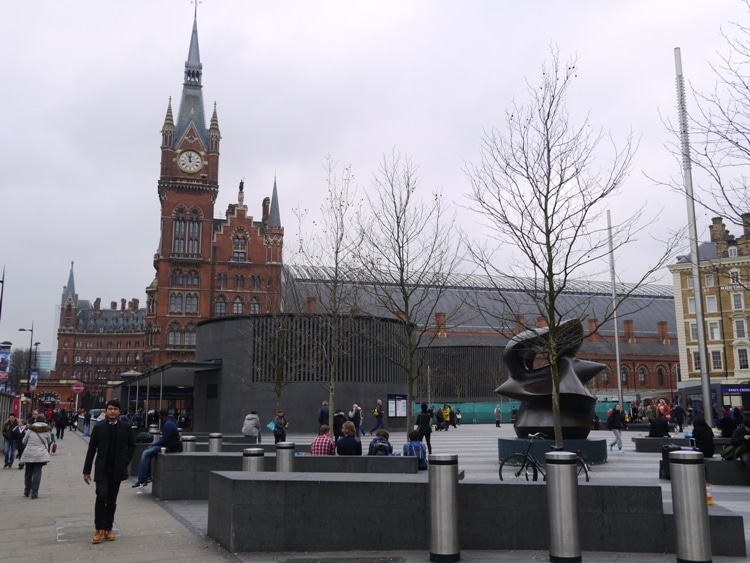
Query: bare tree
x,y
331,243
719,128
542,197
409,246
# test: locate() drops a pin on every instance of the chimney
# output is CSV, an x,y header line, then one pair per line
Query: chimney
x,y
594,336
98,308
629,333
136,303
541,322
663,332
311,305
113,305
440,325
519,324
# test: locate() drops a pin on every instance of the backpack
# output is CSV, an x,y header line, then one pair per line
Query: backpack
x,y
380,448
731,453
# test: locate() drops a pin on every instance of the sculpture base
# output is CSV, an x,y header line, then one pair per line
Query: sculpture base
x,y
594,449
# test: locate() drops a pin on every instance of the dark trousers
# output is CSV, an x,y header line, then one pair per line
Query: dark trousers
x,y
32,478
426,437
106,501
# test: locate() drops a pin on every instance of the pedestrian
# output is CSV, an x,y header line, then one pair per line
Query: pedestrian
x,y
678,416
170,440
86,422
355,417
703,436
37,440
377,414
9,435
616,423
349,444
339,418
251,426
280,427
424,425
498,416
513,415
20,433
323,444
323,413
61,423
458,416
113,445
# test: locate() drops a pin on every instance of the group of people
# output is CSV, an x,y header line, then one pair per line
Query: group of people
x,y
33,441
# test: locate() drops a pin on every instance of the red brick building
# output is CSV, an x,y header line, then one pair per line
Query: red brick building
x,y
205,267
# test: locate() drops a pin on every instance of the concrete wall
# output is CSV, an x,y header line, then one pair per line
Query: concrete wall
x,y
273,512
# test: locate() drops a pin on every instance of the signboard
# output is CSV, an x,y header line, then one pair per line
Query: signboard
x,y
735,388
4,362
32,380
396,406
78,388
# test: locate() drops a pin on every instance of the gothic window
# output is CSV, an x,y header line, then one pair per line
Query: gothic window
x,y
221,307
127,358
100,344
151,306
119,345
119,358
178,233
88,358
99,358
194,233
605,377
239,248
237,306
191,303
66,343
660,377
175,303
65,358
624,375
254,306
192,278
176,279
239,281
221,281
255,282
137,357
641,376
109,357
190,338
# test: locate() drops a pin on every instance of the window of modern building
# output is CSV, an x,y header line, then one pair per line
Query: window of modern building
x,y
694,331
696,361
734,277
742,358
641,376
713,330
220,309
711,304
716,363
237,306
737,302
254,306
732,251
660,377
709,280
691,305
739,329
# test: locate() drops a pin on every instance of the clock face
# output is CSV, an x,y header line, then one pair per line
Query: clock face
x,y
190,161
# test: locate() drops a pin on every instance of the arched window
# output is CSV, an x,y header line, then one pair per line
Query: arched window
x,y
178,233
175,303
127,358
65,358
173,336
641,376
109,357
99,358
239,248
254,306
660,377
624,375
221,281
255,282
191,303
194,233
237,306
88,357
605,377
119,358
221,307
190,337
176,279
239,281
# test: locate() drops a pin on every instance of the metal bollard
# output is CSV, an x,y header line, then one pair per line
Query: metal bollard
x,y
188,443
562,504
688,484
443,480
214,443
252,459
285,456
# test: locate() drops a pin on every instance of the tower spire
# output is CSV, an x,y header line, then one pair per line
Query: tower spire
x,y
274,217
191,105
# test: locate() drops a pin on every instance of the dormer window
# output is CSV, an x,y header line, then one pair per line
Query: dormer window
x,y
732,251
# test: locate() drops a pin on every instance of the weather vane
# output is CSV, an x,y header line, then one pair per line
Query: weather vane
x,y
196,2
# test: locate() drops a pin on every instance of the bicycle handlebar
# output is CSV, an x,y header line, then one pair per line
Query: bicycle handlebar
x,y
539,435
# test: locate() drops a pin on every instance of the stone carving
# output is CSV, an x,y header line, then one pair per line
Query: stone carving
x,y
533,385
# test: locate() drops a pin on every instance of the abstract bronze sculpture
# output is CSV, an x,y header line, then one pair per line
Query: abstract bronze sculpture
x,y
533,385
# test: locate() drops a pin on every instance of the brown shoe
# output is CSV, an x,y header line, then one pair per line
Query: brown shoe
x,y
98,537
109,535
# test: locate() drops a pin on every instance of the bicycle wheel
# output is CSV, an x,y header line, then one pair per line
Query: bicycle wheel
x,y
517,467
583,467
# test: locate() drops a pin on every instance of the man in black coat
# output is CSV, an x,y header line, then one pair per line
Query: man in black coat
x,y
659,427
113,445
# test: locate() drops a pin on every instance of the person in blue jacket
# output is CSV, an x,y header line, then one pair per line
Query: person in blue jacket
x,y
170,439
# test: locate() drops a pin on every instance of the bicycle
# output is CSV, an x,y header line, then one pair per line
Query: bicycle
x,y
526,467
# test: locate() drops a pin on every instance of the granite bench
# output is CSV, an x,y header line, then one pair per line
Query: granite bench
x,y
655,445
721,472
267,512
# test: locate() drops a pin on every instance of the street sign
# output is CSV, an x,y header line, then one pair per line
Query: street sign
x,y
78,388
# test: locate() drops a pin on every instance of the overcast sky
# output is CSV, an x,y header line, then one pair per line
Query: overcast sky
x,y
85,86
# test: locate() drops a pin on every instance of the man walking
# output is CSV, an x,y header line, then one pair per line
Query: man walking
x,y
9,434
377,413
323,413
498,416
113,445
170,439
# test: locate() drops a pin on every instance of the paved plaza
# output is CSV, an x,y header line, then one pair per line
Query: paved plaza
x,y
59,524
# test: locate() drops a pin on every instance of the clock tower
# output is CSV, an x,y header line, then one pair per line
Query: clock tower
x,y
204,267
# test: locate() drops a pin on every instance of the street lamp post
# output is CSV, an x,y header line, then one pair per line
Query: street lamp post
x,y
31,346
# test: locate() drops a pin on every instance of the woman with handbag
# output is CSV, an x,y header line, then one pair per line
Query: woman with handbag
x,y
37,442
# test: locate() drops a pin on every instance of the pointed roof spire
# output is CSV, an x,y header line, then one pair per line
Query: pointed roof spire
x,y
274,217
191,105
169,119
69,291
214,119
